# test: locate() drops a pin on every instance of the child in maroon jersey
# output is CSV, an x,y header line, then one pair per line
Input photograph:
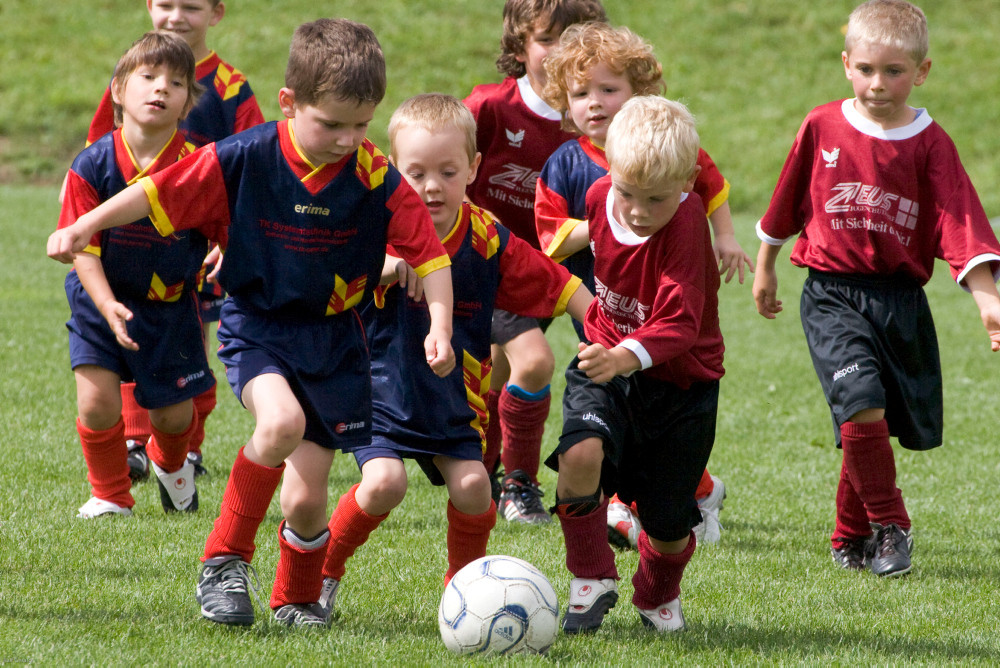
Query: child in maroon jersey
x,y
875,191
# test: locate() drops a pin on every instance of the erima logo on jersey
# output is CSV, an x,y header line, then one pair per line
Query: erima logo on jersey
x,y
857,197
515,138
183,382
348,426
592,417
312,209
846,370
831,157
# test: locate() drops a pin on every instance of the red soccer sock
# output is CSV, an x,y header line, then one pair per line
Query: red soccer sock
x,y
169,451
299,574
588,554
658,578
137,426
349,527
107,468
522,424
244,505
705,485
491,456
467,537
204,403
871,469
852,520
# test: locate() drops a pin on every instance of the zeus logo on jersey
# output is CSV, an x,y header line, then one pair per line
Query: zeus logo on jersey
x,y
855,196
516,177
621,307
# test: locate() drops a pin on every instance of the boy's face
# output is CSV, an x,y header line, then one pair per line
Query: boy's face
x,y
153,97
882,78
594,101
644,211
329,130
189,19
539,41
436,164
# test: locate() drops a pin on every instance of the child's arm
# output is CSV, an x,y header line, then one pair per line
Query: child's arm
x,y
728,252
396,270
577,239
437,345
601,364
579,303
127,206
979,280
91,273
765,281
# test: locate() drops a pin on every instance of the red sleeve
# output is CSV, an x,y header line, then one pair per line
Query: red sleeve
x,y
104,119
80,197
411,231
531,284
710,186
190,194
551,216
248,115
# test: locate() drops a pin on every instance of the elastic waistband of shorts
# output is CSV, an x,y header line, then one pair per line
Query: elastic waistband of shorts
x,y
881,281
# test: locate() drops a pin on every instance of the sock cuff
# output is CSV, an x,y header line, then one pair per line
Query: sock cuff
x,y
467,523
524,395
865,429
295,540
100,435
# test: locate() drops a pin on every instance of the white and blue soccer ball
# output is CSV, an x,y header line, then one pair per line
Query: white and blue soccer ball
x,y
500,605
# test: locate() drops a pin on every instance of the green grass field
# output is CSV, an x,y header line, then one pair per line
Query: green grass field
x,y
121,591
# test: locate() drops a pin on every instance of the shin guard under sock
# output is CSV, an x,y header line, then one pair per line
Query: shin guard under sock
x,y
871,468
169,451
522,423
657,580
467,537
137,425
107,467
298,577
588,554
349,527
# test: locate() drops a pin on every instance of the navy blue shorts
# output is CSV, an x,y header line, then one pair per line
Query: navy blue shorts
x,y
325,362
873,345
210,305
384,445
657,440
507,325
170,365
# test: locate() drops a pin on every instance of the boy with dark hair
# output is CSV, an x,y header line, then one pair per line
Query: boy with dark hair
x,y
516,132
133,310
640,405
228,106
305,208
875,191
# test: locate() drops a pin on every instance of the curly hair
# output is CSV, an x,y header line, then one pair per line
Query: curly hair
x,y
520,18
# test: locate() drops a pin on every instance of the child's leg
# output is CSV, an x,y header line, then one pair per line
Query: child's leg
x,y
657,581
137,427
871,468
525,400
204,403
172,428
361,509
471,511
491,456
102,437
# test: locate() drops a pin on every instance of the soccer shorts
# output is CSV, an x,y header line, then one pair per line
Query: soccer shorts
x,y
384,445
170,365
657,440
507,326
873,345
325,362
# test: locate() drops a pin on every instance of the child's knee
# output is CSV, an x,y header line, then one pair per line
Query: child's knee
x,y
585,456
284,430
383,486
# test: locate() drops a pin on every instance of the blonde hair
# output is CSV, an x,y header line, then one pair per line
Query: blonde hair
x,y
652,139
335,57
157,47
520,17
432,112
585,45
894,23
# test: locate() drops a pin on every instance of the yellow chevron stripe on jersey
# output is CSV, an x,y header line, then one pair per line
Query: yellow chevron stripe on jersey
x,y
485,239
158,292
345,295
476,375
228,81
372,165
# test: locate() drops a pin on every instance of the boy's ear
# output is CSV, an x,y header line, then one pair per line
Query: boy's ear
x,y
474,168
689,184
217,13
847,65
115,92
923,69
286,100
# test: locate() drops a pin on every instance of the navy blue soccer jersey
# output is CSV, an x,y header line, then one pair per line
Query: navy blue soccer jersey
x,y
302,241
490,268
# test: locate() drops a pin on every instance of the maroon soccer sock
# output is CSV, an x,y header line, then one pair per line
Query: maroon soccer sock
x,y
493,438
522,423
588,554
467,537
169,451
349,527
299,575
204,403
852,520
137,426
244,505
871,469
658,577
107,468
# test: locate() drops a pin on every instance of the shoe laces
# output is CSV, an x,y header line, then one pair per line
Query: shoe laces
x,y
888,537
239,577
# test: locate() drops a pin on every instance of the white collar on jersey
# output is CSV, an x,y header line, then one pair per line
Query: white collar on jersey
x,y
622,234
534,102
865,126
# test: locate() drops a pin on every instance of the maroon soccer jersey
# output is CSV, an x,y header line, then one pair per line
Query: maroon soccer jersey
x,y
657,295
864,200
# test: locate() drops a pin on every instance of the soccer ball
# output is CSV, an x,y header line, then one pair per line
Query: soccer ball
x,y
501,605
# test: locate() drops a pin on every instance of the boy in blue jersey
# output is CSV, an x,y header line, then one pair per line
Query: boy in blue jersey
x,y
415,415
305,208
228,106
134,315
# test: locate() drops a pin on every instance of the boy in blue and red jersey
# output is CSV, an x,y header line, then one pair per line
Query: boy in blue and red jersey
x,y
875,191
131,294
416,415
595,69
304,208
228,106
516,132
640,405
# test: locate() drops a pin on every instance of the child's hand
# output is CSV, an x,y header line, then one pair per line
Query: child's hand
x,y
731,257
765,293
117,316
213,260
65,243
601,364
408,279
440,356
